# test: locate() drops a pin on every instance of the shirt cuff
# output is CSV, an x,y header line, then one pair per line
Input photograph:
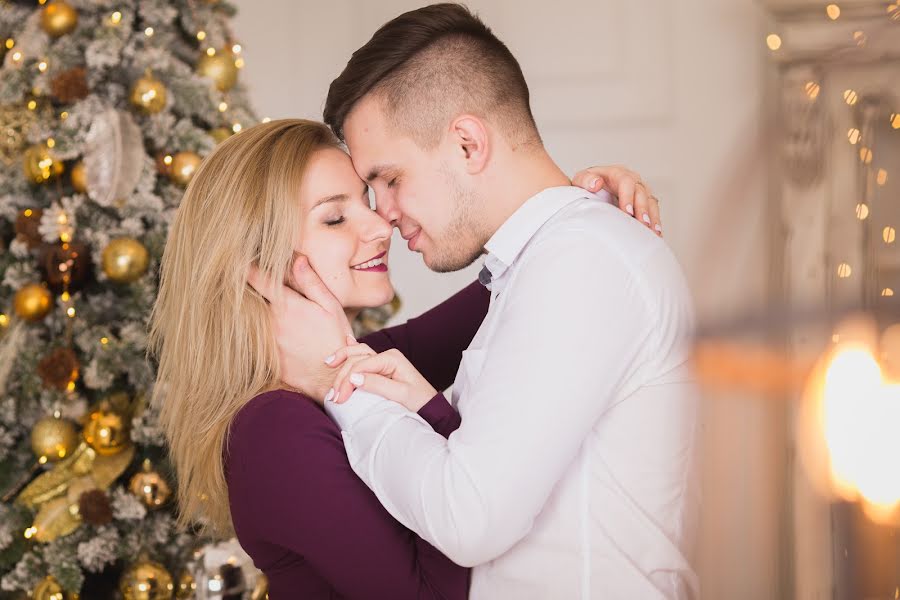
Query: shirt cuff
x,y
358,405
436,409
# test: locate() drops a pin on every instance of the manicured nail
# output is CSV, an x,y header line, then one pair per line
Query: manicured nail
x,y
658,228
357,379
329,359
646,218
595,182
330,395
630,209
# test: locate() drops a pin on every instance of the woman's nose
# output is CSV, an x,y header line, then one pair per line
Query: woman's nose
x,y
377,228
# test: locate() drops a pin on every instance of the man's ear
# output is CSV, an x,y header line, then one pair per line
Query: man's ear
x,y
471,142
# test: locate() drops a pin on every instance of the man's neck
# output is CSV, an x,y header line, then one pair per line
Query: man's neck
x,y
521,176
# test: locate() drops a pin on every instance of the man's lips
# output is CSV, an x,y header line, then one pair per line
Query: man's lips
x,y
411,240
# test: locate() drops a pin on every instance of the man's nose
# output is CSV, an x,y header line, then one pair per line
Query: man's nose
x,y
388,210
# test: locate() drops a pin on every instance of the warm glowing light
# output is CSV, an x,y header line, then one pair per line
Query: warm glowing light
x,y
4,320
812,89
236,48
65,297
201,35
10,43
860,38
148,32
239,62
29,533
266,119
865,155
42,66
32,105
167,159
895,120
64,115
236,128
844,270
850,97
853,135
28,212
881,177
70,387
833,11
889,235
104,340
862,211
51,142
115,18
70,311
211,51
223,106
16,56
773,41
887,292
860,412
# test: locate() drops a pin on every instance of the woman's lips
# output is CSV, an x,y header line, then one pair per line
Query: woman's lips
x,y
376,264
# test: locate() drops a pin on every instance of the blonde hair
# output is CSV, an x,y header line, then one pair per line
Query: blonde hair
x,y
209,329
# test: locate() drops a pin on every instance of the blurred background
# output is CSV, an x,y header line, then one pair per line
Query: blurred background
x,y
770,131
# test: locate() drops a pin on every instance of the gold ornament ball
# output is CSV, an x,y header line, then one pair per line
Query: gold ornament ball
x,y
54,438
49,589
186,587
150,487
149,94
59,18
183,167
125,260
79,177
220,68
106,432
40,165
146,580
220,134
33,302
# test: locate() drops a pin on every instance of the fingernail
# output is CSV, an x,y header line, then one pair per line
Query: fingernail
x,y
357,379
658,228
630,209
646,218
595,182
330,395
329,359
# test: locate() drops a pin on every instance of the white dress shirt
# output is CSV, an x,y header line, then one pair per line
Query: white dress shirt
x,y
573,472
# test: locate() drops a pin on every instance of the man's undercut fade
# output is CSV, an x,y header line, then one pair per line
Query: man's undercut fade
x,y
430,65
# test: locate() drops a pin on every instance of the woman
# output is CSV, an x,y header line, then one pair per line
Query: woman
x,y
254,457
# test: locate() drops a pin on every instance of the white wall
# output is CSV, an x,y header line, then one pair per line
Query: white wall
x,y
671,89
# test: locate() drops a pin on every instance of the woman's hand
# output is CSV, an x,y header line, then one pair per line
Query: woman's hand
x,y
633,194
388,374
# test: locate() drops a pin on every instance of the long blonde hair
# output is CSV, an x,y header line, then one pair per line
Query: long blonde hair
x,y
209,330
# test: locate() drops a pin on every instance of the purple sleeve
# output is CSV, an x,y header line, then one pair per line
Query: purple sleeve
x,y
442,417
293,470
434,342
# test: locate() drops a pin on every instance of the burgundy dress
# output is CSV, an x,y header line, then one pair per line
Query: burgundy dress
x,y
301,513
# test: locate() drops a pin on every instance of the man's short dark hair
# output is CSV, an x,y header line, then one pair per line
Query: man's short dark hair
x,y
429,65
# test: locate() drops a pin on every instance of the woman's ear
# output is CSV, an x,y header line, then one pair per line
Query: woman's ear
x,y
470,138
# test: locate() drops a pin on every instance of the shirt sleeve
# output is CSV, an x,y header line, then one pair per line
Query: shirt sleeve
x,y
442,417
569,342
434,341
306,498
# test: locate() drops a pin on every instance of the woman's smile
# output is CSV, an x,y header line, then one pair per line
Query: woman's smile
x,y
376,264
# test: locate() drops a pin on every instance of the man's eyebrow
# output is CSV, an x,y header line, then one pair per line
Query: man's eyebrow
x,y
378,171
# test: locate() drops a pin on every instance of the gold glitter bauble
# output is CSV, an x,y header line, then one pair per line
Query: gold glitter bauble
x,y
15,120
33,302
220,134
125,260
186,587
146,580
59,18
54,438
40,165
150,486
79,177
183,167
148,94
106,432
49,589
220,68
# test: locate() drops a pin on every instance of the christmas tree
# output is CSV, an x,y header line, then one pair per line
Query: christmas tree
x,y
106,109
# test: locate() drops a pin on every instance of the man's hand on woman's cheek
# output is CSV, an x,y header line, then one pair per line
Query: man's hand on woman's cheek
x,y
634,196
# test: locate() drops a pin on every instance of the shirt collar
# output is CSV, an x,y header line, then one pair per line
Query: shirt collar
x,y
511,238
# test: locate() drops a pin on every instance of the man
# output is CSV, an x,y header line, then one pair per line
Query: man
x,y
572,474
